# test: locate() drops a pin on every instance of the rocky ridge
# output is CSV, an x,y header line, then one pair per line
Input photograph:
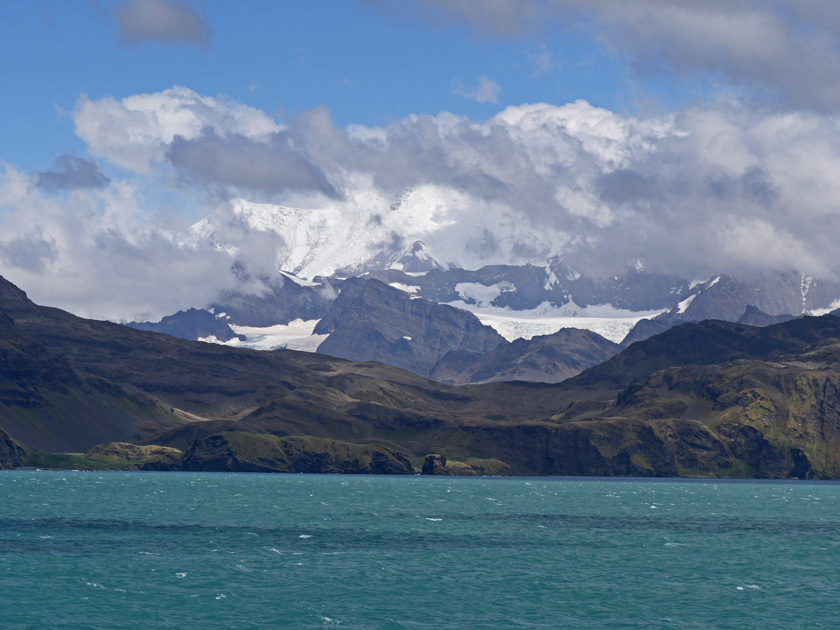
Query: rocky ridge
x,y
709,399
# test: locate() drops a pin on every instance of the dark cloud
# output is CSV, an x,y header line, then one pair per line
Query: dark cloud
x,y
484,244
787,49
167,21
509,18
72,172
272,165
623,186
28,252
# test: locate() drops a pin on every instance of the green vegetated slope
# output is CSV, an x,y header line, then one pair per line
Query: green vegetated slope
x,y
709,399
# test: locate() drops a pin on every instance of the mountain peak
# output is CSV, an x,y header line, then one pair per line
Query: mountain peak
x,y
11,294
418,258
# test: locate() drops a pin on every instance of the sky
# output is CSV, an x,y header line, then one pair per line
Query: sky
x,y
694,137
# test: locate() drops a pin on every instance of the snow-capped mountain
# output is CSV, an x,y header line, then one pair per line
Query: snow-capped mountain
x,y
433,244
367,230
777,296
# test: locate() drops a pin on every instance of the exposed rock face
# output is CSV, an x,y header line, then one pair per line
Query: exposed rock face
x,y
250,452
283,300
12,454
542,359
190,324
371,321
434,464
778,295
754,316
521,287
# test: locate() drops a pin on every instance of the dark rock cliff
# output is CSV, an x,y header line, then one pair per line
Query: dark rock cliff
x,y
371,321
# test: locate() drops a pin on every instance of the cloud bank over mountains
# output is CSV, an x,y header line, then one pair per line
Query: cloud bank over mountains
x,y
709,189
741,180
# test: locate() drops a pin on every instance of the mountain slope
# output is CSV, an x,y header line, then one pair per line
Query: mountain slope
x,y
711,399
706,343
543,359
47,404
370,321
776,295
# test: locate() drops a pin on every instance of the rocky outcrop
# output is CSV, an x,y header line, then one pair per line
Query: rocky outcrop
x,y
437,464
12,454
434,464
759,299
142,457
522,287
371,321
190,324
251,452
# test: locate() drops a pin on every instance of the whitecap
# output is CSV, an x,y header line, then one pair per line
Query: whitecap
x,y
220,596
436,520
305,536
180,575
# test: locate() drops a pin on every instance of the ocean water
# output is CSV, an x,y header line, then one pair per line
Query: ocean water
x,y
100,550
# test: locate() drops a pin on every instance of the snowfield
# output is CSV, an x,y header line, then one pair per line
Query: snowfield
x,y
296,335
605,320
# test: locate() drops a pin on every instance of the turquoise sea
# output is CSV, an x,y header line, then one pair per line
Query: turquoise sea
x,y
181,550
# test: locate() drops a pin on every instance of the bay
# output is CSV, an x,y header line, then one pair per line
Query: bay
x,y
211,550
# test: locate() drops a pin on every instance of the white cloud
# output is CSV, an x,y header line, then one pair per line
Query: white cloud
x,y
719,188
487,91
98,254
137,130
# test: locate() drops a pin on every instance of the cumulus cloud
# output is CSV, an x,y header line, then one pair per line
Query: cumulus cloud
x,y
487,90
722,187
716,188
136,131
787,48
72,172
96,253
167,21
